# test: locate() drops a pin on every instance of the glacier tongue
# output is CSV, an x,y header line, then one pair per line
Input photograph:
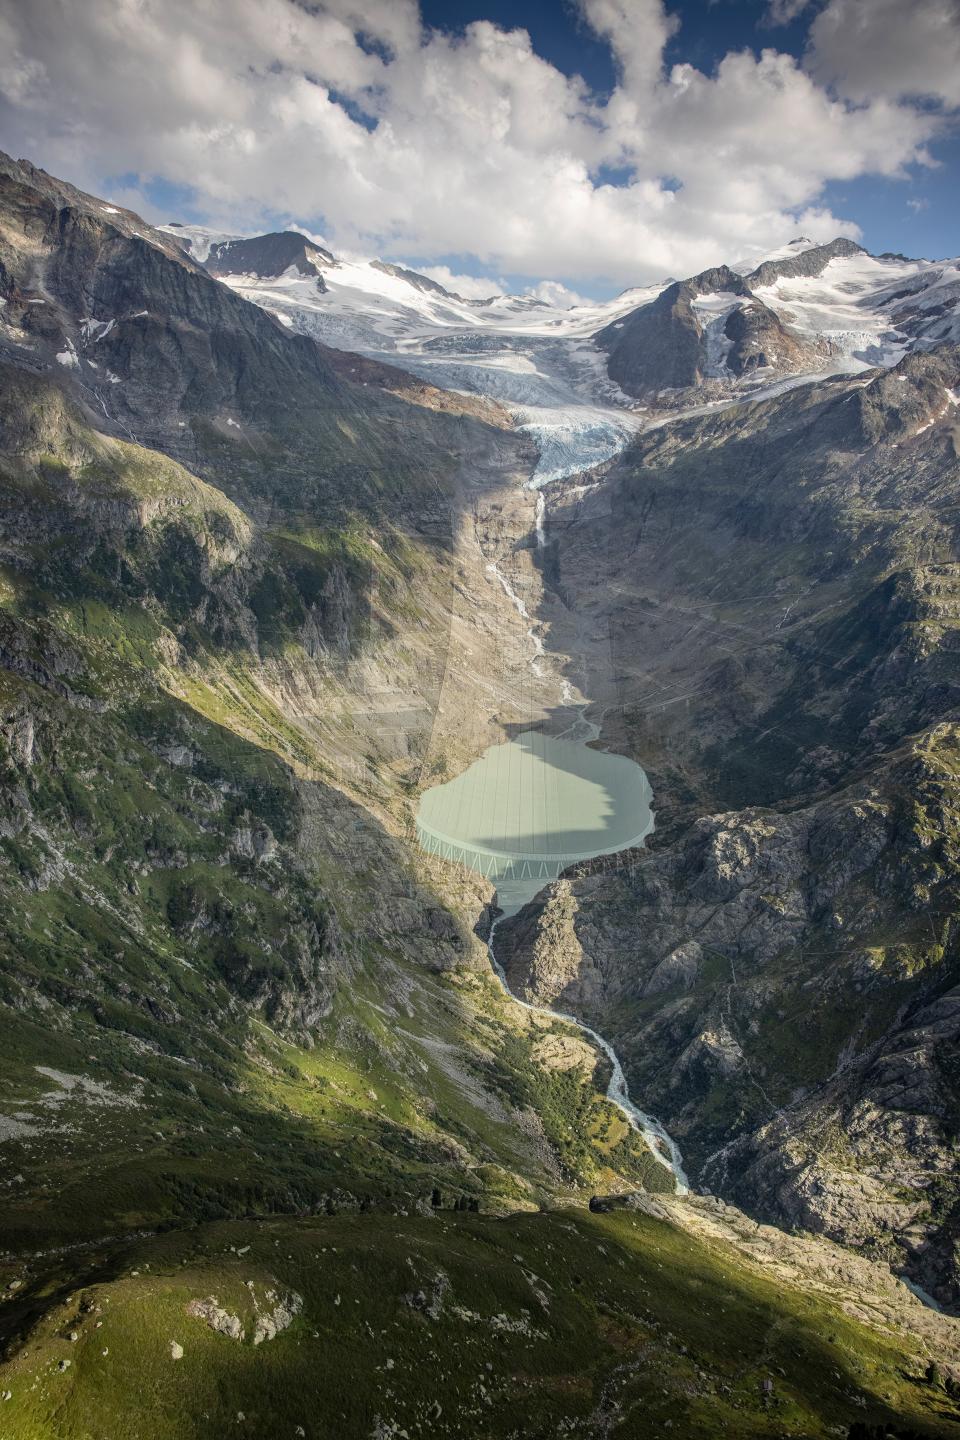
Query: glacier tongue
x,y
573,438
553,391
536,359
541,362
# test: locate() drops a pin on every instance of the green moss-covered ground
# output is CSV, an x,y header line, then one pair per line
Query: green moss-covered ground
x,y
456,1325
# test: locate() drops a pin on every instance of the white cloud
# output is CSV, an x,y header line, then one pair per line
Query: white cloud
x,y
556,294
637,31
410,141
870,48
782,12
471,287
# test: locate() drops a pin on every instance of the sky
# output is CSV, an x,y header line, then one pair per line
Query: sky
x,y
568,145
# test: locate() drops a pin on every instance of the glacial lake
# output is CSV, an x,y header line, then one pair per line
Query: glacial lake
x,y
532,806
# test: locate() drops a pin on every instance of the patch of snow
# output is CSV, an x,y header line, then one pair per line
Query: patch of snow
x,y
96,329
785,252
867,306
716,302
713,310
68,358
200,237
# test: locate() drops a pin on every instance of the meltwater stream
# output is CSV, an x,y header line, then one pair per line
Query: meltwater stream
x,y
661,1145
520,815
530,807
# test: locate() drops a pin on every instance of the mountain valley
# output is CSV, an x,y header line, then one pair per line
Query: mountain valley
x,y
289,540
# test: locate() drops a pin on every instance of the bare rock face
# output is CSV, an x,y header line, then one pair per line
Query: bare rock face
x,y
808,263
661,345
667,345
714,1053
766,982
270,255
543,958
331,620
871,1159
19,733
565,1052
657,347
294,991
275,1314
681,967
217,1317
740,880
254,842
759,340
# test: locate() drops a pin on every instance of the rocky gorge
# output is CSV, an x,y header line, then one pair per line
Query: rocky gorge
x,y
777,968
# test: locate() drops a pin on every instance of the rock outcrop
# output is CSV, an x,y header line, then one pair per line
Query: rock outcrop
x,y
774,969
269,256
674,344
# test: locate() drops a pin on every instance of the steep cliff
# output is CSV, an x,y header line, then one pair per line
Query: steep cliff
x,y
778,969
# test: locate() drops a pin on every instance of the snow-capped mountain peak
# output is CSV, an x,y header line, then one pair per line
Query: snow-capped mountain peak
x,y
573,375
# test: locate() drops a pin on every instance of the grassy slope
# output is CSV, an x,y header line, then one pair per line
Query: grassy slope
x,y
142,951
271,1034
457,1325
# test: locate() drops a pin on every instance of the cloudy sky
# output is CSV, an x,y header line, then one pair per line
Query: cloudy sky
x,y
597,143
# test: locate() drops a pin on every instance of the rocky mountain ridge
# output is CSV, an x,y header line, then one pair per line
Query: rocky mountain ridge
x,y
701,329
810,308
777,970
269,255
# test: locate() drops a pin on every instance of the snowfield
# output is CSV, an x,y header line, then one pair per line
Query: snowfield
x,y
539,359
535,360
871,308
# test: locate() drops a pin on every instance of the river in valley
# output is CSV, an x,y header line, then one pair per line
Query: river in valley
x,y
521,814
543,799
